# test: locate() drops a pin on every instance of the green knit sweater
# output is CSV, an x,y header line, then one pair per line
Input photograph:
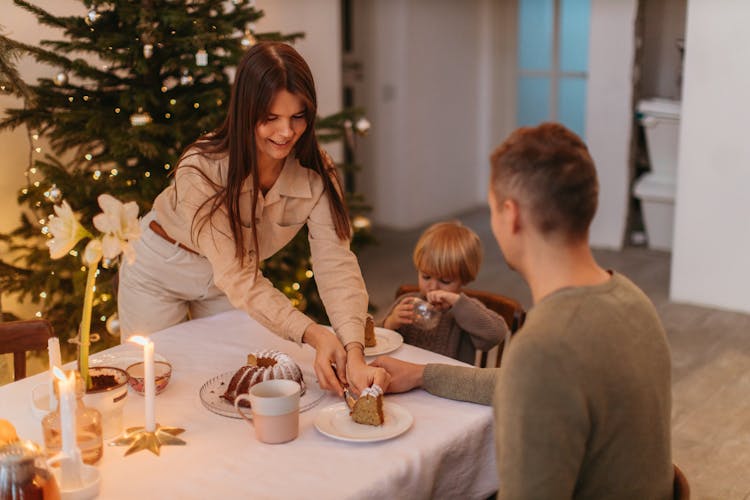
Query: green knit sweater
x,y
583,399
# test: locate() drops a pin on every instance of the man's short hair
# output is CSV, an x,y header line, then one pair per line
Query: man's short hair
x,y
548,170
449,250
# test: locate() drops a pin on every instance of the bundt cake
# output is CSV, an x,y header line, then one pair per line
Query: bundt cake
x,y
369,407
370,340
261,366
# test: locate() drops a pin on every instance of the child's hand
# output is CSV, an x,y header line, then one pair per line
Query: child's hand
x,y
441,299
402,314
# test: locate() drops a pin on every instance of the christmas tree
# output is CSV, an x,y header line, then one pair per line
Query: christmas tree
x,y
133,83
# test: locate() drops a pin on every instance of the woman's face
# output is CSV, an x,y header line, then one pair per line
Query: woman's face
x,y
277,133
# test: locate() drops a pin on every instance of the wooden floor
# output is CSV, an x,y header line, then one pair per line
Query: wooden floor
x,y
710,352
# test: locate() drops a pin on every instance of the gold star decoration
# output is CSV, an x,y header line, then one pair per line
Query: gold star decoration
x,y
140,439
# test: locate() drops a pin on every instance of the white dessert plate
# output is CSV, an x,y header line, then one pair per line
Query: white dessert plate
x,y
334,421
121,359
387,341
212,390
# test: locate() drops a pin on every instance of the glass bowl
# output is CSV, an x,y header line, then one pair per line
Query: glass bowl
x,y
162,373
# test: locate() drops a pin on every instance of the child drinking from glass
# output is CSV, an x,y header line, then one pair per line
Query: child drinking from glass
x,y
447,258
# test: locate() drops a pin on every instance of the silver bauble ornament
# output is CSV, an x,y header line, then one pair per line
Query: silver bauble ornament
x,y
201,58
248,40
140,118
186,78
61,79
91,17
54,194
362,126
108,263
113,325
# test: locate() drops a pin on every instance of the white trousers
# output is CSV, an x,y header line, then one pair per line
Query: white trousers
x,y
164,286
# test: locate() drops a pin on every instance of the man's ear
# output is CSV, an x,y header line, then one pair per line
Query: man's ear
x,y
512,211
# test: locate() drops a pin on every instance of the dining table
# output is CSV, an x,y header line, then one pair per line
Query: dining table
x,y
444,448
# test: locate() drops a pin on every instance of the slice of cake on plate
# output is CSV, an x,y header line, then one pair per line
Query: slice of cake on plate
x,y
370,340
369,407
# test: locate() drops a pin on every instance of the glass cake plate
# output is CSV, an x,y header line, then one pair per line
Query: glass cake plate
x,y
210,394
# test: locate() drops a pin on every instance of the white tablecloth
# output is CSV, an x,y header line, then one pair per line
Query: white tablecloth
x,y
447,453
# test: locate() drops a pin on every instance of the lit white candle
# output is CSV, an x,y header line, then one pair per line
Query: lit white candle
x,y
66,388
55,360
149,379
71,462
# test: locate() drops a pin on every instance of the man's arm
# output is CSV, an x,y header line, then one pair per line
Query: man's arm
x,y
462,383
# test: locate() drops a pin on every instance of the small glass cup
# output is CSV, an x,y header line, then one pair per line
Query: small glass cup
x,y
88,429
426,316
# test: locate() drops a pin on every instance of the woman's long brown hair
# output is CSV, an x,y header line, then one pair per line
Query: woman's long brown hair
x,y
265,69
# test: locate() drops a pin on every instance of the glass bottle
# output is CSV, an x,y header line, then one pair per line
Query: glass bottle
x,y
24,474
88,428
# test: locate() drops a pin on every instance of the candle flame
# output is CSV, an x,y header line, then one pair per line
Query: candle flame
x,y
59,374
138,339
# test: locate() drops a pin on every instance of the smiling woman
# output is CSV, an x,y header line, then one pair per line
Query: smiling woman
x,y
240,194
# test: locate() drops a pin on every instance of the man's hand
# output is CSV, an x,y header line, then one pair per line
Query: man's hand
x,y
328,351
402,314
405,376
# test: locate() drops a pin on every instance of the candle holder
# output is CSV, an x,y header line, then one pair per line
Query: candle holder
x,y
140,439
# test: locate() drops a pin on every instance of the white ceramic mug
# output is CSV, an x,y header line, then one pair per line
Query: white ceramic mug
x,y
274,410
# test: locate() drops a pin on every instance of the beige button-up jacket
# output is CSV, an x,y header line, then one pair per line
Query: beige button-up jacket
x,y
296,199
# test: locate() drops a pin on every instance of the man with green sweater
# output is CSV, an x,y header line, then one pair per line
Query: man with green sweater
x,y
583,399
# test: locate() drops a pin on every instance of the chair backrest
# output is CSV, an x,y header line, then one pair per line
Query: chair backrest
x,y
510,309
681,486
18,337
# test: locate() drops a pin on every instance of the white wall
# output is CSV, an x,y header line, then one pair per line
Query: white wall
x,y
609,113
321,47
711,253
426,69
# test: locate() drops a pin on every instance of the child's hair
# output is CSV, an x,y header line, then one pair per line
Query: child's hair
x,y
449,250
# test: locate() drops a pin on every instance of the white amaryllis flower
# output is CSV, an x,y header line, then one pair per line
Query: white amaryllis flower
x,y
66,231
119,223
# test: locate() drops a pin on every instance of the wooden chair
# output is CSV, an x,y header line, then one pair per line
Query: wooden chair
x,y
510,309
19,337
681,486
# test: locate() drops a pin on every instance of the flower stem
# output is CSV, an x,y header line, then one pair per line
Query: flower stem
x,y
85,328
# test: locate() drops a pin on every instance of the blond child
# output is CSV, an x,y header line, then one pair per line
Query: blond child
x,y
447,257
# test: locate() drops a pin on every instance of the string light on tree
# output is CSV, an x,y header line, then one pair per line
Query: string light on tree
x,y
148,50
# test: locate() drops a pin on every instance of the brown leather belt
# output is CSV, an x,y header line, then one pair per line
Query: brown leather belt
x,y
156,228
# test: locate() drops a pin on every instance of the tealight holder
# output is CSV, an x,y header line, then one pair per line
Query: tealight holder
x,y
162,374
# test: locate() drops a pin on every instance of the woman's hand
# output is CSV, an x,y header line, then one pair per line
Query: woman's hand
x,y
360,374
402,314
328,351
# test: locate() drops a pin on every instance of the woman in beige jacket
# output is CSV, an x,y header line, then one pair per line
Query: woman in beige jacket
x,y
209,230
